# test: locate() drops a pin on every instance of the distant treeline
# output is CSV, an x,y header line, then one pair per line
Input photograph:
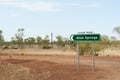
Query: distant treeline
x,y
62,43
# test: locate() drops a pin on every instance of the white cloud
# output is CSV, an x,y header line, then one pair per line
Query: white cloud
x,y
83,5
34,6
14,15
10,0
39,6
42,6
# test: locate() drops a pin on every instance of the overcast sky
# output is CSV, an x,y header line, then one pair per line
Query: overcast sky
x,y
62,17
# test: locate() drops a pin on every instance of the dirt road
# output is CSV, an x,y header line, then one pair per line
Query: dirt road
x,y
36,67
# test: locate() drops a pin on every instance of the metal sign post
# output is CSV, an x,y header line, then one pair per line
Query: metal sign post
x,y
93,57
78,52
86,37
51,39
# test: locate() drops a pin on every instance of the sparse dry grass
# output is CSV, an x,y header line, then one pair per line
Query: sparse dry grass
x,y
110,52
39,52
14,72
36,51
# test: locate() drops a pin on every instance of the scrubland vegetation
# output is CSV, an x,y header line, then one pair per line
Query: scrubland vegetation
x,y
19,42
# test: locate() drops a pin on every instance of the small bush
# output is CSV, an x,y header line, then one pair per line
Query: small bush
x,y
47,47
96,54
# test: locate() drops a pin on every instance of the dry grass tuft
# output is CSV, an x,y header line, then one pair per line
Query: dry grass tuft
x,y
14,72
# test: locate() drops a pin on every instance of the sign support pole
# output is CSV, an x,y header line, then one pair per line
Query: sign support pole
x,y
78,52
51,39
93,57
83,38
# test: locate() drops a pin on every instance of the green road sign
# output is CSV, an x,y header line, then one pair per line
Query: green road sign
x,y
85,37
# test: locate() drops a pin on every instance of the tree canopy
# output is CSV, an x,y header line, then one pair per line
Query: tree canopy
x,y
1,38
117,30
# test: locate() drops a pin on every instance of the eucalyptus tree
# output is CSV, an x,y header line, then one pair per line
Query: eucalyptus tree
x,y
59,41
46,41
30,41
1,38
19,37
39,40
117,30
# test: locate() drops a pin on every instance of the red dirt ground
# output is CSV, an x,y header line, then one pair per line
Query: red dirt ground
x,y
62,67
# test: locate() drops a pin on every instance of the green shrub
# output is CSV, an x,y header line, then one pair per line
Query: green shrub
x,y
46,47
